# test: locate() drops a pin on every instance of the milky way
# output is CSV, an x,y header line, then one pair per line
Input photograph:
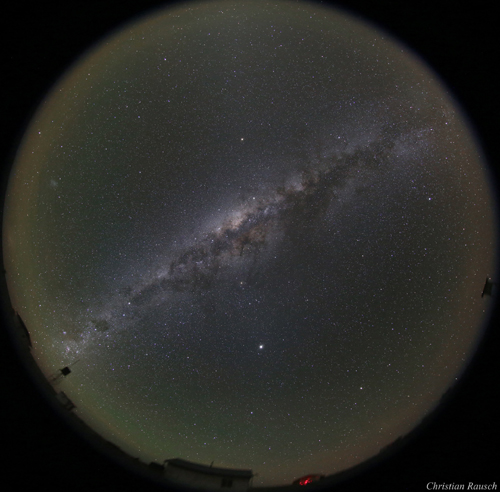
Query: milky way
x,y
257,230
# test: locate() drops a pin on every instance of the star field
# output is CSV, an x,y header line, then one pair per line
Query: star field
x,y
262,229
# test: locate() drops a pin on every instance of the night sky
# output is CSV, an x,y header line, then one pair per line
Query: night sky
x,y
262,229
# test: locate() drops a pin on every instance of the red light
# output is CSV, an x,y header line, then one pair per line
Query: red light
x,y
306,480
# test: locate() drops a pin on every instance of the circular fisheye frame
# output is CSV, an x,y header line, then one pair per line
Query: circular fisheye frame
x,y
248,244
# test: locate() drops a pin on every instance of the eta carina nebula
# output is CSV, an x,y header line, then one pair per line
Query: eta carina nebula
x,y
262,230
